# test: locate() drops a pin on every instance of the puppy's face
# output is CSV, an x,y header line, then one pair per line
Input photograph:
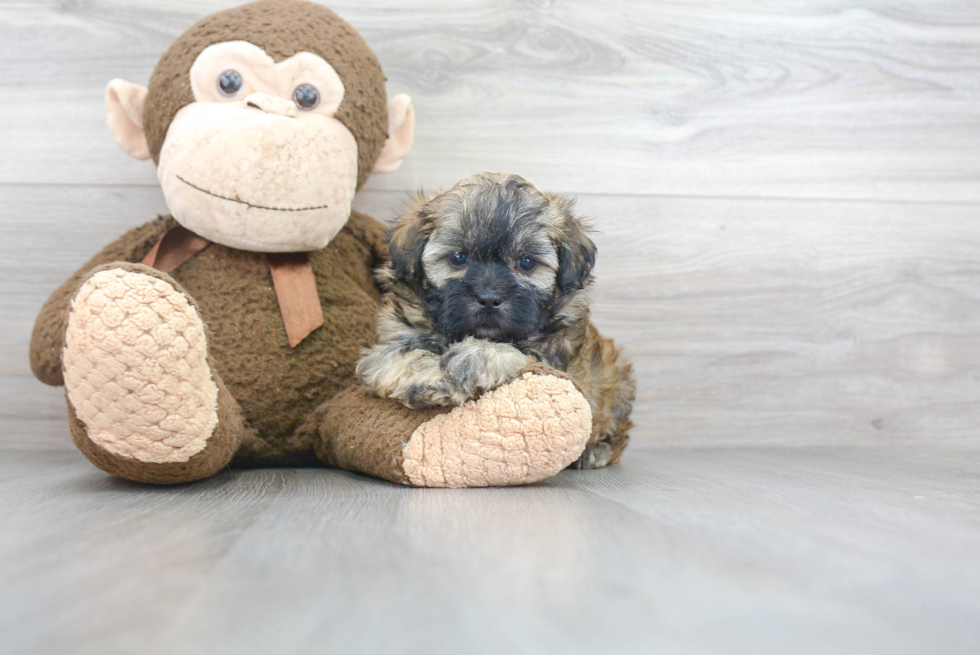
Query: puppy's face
x,y
492,258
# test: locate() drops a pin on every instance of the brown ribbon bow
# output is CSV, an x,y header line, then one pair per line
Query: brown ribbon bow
x,y
292,277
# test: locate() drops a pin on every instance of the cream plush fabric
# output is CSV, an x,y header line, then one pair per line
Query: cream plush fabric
x,y
136,368
517,434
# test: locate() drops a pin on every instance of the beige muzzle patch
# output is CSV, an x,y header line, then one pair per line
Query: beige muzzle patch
x,y
257,180
136,368
523,432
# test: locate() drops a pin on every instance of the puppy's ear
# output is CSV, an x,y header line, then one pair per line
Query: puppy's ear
x,y
576,251
407,239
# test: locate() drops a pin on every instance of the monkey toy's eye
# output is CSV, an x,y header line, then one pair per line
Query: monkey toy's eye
x,y
526,264
230,83
306,97
458,259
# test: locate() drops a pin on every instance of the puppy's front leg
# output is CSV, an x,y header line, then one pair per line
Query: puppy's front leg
x,y
420,378
411,376
476,365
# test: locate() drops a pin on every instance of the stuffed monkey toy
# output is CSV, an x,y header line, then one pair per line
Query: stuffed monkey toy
x,y
227,333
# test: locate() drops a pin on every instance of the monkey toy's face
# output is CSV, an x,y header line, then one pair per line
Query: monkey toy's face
x,y
258,152
258,161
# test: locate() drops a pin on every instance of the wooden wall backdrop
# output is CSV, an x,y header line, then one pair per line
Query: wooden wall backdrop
x,y
787,193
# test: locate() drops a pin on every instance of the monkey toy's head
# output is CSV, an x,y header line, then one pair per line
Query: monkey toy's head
x,y
263,121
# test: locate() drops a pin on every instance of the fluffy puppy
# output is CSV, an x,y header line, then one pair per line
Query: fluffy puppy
x,y
484,280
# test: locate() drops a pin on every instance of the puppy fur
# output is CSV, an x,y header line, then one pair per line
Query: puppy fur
x,y
484,280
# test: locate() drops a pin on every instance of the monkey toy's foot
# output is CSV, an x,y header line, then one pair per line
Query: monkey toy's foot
x,y
143,400
520,433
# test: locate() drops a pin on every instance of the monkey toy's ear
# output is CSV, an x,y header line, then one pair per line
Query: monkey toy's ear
x,y
401,132
124,102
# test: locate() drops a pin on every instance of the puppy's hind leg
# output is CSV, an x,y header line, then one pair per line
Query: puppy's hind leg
x,y
608,382
611,432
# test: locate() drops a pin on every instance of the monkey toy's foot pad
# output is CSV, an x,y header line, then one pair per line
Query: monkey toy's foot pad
x,y
136,368
523,432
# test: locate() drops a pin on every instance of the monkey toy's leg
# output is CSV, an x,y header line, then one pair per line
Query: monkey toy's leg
x,y
522,432
144,402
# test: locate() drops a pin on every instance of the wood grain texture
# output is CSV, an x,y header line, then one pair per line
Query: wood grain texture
x,y
825,98
710,551
766,317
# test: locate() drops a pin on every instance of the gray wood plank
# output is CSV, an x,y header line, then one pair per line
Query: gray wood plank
x,y
705,551
829,99
749,321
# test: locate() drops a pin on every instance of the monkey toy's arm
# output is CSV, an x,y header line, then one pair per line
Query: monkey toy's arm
x,y
420,378
48,339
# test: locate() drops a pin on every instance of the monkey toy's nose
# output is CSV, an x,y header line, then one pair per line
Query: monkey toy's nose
x,y
489,300
271,104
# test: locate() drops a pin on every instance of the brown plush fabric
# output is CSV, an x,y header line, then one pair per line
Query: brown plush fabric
x,y
279,405
276,386
282,28
359,432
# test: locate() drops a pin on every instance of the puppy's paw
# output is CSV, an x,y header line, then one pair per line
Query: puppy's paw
x,y
425,396
473,366
595,456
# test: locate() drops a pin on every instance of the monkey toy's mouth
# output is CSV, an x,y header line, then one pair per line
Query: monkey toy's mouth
x,y
258,182
249,204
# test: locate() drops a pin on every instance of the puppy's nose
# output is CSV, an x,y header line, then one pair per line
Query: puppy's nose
x,y
489,299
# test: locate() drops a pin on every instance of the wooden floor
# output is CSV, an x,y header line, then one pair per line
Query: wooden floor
x,y
788,204
684,551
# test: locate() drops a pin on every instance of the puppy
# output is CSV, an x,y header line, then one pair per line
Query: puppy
x,y
485,280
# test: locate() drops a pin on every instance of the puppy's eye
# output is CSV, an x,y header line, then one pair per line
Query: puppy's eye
x,y
458,259
526,264
306,97
230,83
